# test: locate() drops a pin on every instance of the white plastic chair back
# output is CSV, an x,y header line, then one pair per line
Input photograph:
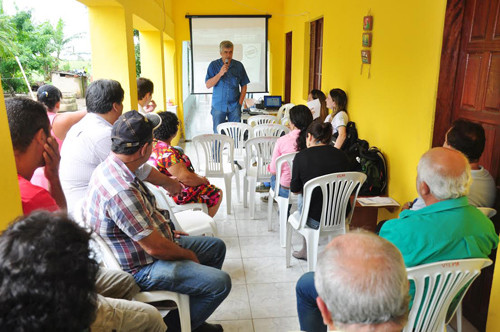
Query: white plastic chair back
x,y
210,148
436,285
488,212
181,300
237,131
261,119
260,152
276,130
281,161
259,155
284,113
337,189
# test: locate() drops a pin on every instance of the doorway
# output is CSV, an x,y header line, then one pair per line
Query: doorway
x,y
469,88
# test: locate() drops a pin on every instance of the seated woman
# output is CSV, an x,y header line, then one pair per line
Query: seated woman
x,y
295,140
322,113
337,102
320,158
172,162
61,123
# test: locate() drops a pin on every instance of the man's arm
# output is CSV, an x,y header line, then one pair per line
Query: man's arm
x,y
52,159
242,94
215,79
159,247
172,186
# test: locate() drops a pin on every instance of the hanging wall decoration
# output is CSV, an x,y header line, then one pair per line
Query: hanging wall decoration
x,y
366,42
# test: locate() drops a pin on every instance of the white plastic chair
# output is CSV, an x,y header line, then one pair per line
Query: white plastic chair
x,y
210,148
441,282
488,212
283,203
284,113
188,220
337,189
276,130
237,131
259,154
181,300
261,119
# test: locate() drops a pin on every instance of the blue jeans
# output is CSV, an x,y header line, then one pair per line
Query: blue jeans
x,y
310,318
220,116
205,284
312,223
283,192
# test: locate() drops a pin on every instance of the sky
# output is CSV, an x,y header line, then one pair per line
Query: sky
x,y
73,13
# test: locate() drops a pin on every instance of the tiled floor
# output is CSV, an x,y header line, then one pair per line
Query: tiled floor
x,y
263,293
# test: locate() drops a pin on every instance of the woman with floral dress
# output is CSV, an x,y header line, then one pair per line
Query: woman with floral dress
x,y
171,161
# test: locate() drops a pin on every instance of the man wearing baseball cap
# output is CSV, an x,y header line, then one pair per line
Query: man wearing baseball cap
x,y
123,212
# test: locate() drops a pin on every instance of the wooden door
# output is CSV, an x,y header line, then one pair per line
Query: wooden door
x,y
288,66
469,88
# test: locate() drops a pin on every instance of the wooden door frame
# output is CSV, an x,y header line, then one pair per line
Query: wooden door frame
x,y
288,66
448,69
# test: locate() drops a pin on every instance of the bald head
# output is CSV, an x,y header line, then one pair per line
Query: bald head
x,y
443,174
361,278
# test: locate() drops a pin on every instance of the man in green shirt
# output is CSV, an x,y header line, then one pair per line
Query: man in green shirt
x,y
448,227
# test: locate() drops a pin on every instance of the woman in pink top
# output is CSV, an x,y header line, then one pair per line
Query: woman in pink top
x,y
295,140
60,123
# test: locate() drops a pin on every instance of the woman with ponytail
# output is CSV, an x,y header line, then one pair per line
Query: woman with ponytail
x,y
295,140
320,158
337,102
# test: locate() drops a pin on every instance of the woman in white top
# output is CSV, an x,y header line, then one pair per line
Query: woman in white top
x,y
337,102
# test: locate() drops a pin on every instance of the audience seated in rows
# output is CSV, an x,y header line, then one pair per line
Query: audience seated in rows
x,y
145,89
29,127
123,212
295,140
447,228
362,285
172,161
468,138
88,143
320,158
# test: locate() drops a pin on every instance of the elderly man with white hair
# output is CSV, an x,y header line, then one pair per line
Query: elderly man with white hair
x,y
447,228
362,284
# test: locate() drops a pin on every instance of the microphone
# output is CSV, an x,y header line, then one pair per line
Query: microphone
x,y
226,61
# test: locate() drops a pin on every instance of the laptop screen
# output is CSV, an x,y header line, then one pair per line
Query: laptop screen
x,y
272,101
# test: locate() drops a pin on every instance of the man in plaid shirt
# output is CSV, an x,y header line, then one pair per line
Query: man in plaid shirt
x,y
123,212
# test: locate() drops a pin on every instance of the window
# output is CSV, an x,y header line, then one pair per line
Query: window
x,y
316,54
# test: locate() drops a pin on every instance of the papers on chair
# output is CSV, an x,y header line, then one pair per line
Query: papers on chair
x,y
315,107
377,201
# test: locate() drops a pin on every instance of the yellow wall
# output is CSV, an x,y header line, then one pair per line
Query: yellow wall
x,y
241,7
10,201
394,108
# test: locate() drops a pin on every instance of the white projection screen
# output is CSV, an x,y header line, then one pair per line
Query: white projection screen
x,y
249,36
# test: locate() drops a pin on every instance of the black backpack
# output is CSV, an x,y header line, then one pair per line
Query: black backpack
x,y
351,136
373,164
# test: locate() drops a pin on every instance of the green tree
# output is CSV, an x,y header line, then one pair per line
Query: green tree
x,y
38,46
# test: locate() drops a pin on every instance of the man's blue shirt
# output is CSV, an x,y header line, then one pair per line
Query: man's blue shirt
x,y
226,93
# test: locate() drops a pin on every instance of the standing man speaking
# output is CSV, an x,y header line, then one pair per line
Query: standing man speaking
x,y
226,76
